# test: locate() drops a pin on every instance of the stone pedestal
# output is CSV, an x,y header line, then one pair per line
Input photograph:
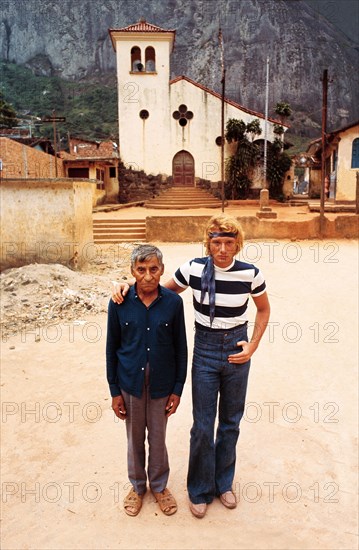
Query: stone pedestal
x,y
265,210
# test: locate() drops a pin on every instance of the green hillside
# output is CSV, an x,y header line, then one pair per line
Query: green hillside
x,y
90,106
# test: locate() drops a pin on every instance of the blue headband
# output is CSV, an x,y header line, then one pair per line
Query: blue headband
x,y
221,234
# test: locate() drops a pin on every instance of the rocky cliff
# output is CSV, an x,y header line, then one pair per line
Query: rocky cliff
x,y
70,39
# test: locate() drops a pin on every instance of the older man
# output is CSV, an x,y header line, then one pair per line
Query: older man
x,y
146,356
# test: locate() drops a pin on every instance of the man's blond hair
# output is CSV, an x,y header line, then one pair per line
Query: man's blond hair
x,y
227,224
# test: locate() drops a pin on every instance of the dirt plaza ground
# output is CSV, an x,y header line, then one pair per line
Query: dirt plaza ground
x,y
64,471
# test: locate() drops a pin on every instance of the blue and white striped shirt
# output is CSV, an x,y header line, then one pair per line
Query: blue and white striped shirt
x,y
234,284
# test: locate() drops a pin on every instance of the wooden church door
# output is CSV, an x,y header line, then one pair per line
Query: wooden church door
x,y
183,169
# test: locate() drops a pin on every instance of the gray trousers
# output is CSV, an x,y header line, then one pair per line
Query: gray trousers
x,y
146,413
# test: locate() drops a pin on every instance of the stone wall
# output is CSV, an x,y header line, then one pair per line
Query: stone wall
x,y
45,221
191,228
136,185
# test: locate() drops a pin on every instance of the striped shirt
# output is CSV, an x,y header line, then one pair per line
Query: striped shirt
x,y
234,284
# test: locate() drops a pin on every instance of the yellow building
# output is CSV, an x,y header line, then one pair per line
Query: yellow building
x,y
341,164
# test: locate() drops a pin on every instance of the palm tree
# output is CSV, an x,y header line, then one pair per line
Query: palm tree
x,y
283,110
240,165
254,128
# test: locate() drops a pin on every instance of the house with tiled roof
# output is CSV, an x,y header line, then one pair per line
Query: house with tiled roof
x,y
96,160
170,127
341,163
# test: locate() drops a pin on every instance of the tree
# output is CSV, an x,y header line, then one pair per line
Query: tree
x,y
240,165
235,130
278,163
283,110
7,113
278,130
254,128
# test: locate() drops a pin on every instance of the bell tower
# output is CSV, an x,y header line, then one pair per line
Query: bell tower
x,y
143,70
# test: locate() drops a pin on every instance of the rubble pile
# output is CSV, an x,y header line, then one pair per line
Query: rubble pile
x,y
36,295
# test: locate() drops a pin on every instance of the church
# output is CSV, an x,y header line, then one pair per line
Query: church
x,y
170,127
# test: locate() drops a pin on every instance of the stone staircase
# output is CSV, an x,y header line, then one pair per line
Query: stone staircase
x,y
299,200
108,231
180,198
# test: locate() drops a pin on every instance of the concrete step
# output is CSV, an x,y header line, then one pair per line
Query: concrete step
x,y
118,231
298,202
181,202
117,222
180,198
115,231
166,206
330,207
115,240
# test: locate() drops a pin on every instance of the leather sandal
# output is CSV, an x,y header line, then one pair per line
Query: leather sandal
x,y
132,503
166,502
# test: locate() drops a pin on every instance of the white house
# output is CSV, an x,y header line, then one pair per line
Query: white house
x,y
169,127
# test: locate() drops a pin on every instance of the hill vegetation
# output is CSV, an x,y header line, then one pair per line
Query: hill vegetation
x,y
89,105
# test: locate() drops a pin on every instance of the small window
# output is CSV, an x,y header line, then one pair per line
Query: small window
x,y
100,174
150,60
112,171
219,140
144,114
136,64
355,153
78,173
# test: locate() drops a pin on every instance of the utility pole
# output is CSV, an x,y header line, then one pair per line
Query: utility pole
x,y
55,139
266,126
223,80
54,119
324,137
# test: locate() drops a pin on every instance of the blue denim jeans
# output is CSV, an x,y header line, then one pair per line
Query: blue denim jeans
x,y
212,460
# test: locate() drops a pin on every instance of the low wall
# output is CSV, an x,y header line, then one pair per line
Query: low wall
x,y
45,221
191,228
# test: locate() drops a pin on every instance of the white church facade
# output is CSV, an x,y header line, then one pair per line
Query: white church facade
x,y
169,127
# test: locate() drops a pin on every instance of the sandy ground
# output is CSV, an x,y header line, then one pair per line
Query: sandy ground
x,y
64,454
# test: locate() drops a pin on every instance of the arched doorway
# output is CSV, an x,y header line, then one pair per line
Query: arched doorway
x,y
183,169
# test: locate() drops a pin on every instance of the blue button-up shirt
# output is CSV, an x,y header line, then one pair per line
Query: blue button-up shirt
x,y
137,335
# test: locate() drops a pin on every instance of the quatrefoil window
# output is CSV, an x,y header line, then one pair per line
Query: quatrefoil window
x,y
182,115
